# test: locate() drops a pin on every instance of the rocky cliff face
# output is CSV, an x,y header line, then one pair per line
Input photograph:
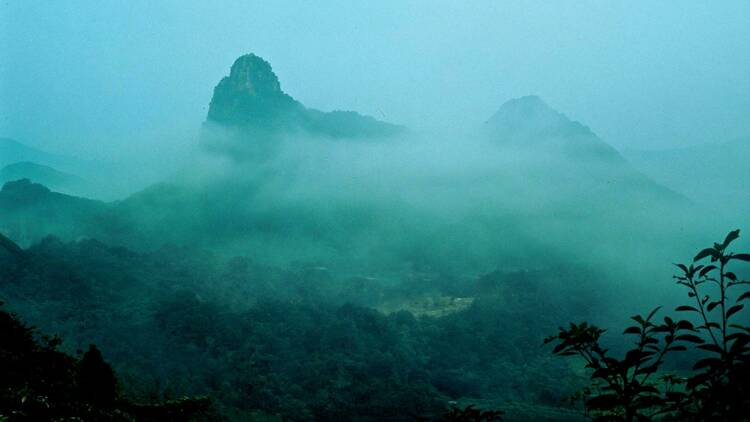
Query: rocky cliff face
x,y
251,96
251,103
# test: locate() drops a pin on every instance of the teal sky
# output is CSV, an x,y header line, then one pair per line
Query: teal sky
x,y
83,76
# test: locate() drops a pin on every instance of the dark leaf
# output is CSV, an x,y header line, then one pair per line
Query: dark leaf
x,y
734,234
652,313
706,270
734,309
639,319
713,253
741,257
744,296
735,336
685,325
730,275
712,305
685,308
632,330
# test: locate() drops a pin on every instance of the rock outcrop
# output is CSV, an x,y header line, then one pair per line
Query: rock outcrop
x,y
252,106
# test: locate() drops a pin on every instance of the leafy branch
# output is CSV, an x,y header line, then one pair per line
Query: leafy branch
x,y
718,387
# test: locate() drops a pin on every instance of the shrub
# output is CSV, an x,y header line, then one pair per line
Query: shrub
x,y
717,387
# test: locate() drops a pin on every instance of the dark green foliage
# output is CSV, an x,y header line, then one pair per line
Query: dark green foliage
x,y
95,379
269,342
718,385
39,382
621,386
471,414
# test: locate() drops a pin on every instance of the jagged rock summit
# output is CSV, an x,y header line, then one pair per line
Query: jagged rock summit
x,y
251,96
251,99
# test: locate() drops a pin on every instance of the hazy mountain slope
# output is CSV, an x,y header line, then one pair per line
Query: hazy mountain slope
x,y
12,151
567,159
45,175
101,179
716,175
30,211
535,181
249,107
386,205
528,122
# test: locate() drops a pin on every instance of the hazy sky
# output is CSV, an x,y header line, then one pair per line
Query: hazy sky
x,y
102,75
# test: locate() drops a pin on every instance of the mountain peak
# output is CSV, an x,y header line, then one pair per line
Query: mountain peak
x,y
528,112
530,121
255,75
251,96
250,99
529,102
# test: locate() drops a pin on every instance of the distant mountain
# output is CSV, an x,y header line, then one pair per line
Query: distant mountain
x,y
12,151
30,211
250,100
75,176
566,159
528,121
39,173
712,174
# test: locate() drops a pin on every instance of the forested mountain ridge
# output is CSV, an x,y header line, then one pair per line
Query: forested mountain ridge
x,y
262,341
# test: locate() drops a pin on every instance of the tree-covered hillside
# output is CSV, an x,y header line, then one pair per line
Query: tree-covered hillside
x,y
298,343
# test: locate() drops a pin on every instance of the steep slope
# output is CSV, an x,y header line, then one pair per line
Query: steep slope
x,y
530,123
252,107
568,160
